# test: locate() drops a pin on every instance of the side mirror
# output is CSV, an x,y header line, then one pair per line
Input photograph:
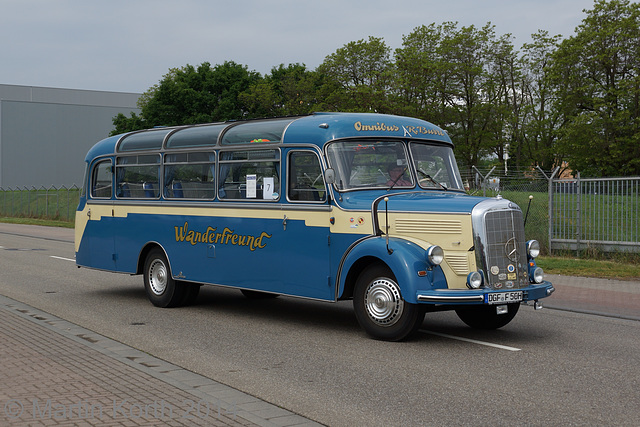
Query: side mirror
x,y
330,176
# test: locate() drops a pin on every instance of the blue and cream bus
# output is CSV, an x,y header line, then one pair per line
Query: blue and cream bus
x,y
330,206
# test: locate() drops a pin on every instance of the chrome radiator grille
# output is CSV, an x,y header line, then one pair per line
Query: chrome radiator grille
x,y
500,245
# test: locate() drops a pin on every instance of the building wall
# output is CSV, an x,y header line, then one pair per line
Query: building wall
x,y
46,132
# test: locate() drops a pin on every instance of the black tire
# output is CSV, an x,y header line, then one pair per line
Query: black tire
x,y
257,294
380,309
486,317
161,289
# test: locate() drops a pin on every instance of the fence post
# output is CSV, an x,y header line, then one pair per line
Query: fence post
x,y
578,216
483,179
550,193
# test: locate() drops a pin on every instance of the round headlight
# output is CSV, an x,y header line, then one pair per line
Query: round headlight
x,y
474,280
538,275
533,248
435,255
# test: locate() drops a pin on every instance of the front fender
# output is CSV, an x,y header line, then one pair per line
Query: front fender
x,y
407,261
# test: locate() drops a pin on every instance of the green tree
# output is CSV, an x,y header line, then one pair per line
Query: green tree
x,y
470,97
503,96
539,118
124,124
198,95
597,75
421,76
361,73
191,95
465,80
290,90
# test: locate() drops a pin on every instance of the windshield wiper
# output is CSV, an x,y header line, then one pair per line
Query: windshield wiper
x,y
426,175
393,184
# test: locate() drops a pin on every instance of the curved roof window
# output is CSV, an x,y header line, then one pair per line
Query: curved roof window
x,y
146,140
196,136
256,132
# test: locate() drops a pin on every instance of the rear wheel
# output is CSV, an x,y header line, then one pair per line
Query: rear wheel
x,y
380,309
486,316
161,289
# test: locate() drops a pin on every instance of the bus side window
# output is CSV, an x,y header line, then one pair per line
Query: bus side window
x,y
249,175
101,180
137,177
305,183
189,175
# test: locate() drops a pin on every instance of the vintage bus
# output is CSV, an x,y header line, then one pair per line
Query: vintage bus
x,y
329,206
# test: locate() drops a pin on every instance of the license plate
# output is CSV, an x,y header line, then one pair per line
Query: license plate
x,y
503,297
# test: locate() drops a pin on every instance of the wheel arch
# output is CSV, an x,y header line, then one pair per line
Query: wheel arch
x,y
144,252
405,259
354,272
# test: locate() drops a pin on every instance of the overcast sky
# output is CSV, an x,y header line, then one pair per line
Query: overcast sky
x,y
128,45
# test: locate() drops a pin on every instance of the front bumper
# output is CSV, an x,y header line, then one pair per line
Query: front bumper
x,y
477,296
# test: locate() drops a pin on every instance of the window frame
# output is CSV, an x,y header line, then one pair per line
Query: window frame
x,y
224,163
211,162
342,165
92,177
123,166
290,154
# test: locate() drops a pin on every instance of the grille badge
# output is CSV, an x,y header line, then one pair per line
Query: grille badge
x,y
511,249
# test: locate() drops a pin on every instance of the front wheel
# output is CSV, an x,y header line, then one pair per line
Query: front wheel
x,y
380,309
161,289
486,316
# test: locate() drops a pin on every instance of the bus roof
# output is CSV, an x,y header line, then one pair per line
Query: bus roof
x,y
317,128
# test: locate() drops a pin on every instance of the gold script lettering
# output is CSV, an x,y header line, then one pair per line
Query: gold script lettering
x,y
228,236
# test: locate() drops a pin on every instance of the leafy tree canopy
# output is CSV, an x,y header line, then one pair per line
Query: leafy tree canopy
x,y
191,95
555,100
597,80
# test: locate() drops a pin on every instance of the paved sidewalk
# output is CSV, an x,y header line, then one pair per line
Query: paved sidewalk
x,y
53,372
615,298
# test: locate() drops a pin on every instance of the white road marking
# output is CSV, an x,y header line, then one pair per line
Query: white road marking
x,y
488,344
65,259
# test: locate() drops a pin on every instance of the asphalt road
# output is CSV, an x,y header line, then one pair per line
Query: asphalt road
x,y
548,367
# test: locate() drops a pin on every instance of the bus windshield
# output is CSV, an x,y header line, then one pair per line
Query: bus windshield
x,y
436,166
386,164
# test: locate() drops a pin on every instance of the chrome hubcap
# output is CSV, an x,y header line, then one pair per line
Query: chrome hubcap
x,y
383,302
158,277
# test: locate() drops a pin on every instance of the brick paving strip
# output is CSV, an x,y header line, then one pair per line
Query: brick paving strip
x,y
53,372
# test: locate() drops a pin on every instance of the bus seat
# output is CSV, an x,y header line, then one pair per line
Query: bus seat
x,y
305,193
177,190
312,194
148,190
124,190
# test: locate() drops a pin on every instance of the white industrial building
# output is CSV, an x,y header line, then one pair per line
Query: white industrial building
x,y
45,133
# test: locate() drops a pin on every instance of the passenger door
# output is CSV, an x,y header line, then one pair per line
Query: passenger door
x,y
306,220
96,248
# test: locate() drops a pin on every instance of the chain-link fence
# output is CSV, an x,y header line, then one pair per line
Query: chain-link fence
x,y
568,213
528,189
57,203
574,214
